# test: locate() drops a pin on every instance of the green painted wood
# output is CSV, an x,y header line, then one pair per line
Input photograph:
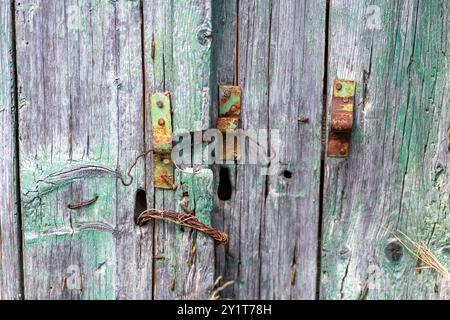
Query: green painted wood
x,y
10,268
397,176
178,60
80,85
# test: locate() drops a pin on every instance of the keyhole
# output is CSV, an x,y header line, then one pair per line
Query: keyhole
x,y
140,204
224,191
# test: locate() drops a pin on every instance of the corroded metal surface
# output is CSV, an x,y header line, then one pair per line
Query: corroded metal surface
x,y
229,115
341,124
161,115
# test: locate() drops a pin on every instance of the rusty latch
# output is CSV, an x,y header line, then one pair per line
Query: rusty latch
x,y
161,115
341,125
229,115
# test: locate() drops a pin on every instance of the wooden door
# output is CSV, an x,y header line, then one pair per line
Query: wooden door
x,y
77,77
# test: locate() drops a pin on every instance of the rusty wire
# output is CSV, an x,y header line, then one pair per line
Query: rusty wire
x,y
127,184
185,220
80,205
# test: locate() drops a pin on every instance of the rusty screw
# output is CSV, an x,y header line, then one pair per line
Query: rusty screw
x,y
338,86
345,100
343,151
160,104
161,122
227,93
166,161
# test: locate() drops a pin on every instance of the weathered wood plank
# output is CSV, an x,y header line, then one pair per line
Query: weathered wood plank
x,y
243,220
81,87
224,71
272,220
10,267
177,59
397,176
291,216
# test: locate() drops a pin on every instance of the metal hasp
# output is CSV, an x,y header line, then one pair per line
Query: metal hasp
x,y
229,116
161,115
341,125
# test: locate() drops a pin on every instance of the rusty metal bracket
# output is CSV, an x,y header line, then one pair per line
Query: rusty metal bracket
x,y
448,135
341,125
161,116
229,116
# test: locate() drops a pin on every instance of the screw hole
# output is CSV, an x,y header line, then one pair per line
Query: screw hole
x,y
287,174
224,191
140,204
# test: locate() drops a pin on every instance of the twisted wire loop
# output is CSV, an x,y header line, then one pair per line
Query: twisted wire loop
x,y
185,220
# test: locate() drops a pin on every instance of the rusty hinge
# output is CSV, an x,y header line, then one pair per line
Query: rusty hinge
x,y
161,116
229,115
341,125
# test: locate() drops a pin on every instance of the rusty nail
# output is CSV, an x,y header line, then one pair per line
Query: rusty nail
x,y
166,161
160,104
303,119
161,122
338,86
345,100
343,151
227,93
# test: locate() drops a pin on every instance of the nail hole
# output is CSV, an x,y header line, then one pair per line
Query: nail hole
x,y
394,251
224,191
140,204
287,174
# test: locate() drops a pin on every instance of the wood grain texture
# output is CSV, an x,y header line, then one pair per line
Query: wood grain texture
x,y
397,176
177,36
291,215
224,71
81,83
272,220
10,268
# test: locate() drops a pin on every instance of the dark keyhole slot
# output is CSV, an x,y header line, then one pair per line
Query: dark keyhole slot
x,y
224,191
140,204
287,174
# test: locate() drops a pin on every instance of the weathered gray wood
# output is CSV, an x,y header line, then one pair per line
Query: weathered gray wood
x,y
273,221
397,176
224,68
81,87
177,60
291,217
10,268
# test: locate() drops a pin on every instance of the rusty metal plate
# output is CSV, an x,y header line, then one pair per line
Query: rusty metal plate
x,y
341,125
229,116
161,118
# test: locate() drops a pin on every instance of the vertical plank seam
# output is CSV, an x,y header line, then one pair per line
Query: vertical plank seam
x,y
323,146
19,226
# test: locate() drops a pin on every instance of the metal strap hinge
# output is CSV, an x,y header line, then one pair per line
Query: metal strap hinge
x,y
161,117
